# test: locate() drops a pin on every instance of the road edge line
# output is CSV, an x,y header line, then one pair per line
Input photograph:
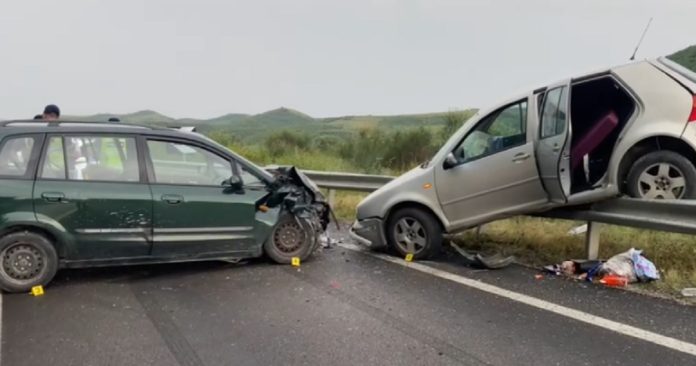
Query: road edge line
x,y
624,329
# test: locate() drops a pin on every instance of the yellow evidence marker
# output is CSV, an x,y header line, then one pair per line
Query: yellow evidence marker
x,y
409,257
37,290
295,261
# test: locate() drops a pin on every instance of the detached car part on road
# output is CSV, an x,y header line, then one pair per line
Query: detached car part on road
x,y
79,194
630,129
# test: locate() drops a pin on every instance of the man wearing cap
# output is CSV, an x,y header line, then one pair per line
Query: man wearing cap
x,y
51,112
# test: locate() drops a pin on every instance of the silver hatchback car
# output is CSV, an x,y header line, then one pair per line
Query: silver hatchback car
x,y
626,130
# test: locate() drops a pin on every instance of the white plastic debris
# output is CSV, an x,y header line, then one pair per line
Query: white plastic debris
x,y
689,292
578,230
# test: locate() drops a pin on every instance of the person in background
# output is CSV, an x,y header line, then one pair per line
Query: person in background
x,y
38,117
51,112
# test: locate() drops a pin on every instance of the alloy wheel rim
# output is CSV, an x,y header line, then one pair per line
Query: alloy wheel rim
x,y
410,235
22,262
662,181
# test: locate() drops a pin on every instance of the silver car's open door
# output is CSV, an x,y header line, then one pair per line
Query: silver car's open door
x,y
553,148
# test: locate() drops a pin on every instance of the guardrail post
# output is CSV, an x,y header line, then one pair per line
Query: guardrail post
x,y
332,197
592,240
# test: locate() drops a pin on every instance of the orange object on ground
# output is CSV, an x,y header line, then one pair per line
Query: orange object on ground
x,y
614,280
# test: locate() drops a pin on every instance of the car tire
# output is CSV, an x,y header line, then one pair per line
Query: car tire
x,y
669,176
28,259
290,238
417,227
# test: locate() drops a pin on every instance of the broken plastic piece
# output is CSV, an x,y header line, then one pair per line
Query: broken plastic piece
x,y
614,280
689,292
495,261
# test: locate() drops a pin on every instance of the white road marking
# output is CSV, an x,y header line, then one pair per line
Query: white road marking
x,y
611,325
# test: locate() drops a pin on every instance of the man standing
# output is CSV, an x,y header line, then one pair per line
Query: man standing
x,y
51,112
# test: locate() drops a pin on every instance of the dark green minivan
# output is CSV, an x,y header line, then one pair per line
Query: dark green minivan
x,y
79,194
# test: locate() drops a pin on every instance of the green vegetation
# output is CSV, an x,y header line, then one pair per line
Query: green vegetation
x,y
685,57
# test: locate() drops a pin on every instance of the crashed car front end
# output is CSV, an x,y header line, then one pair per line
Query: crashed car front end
x,y
296,212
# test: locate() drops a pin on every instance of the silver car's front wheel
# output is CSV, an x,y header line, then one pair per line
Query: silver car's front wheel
x,y
414,231
662,175
409,235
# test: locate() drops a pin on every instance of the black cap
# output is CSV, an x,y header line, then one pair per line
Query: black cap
x,y
38,116
52,109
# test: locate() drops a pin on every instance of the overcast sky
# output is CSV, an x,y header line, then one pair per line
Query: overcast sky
x,y
205,58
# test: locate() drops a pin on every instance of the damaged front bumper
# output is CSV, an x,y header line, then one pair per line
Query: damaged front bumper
x,y
369,232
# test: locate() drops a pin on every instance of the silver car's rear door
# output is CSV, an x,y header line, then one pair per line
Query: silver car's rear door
x,y
553,147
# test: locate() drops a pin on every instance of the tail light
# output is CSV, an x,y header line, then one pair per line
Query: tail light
x,y
692,116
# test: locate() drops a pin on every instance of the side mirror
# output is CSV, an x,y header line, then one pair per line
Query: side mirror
x,y
450,161
233,184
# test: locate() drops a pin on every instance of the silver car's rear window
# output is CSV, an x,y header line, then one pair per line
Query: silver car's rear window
x,y
684,66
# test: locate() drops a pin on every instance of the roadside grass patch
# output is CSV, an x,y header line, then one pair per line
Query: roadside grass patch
x,y
539,241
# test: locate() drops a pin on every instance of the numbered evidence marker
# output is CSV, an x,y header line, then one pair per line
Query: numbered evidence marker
x,y
295,261
409,257
37,290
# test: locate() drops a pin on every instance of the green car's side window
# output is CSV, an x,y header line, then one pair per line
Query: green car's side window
x,y
91,158
15,155
178,163
54,163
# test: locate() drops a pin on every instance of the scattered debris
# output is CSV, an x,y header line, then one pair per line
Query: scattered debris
x,y
689,292
578,230
620,270
495,261
614,280
538,276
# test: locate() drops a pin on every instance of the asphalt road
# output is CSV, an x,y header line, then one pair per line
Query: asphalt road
x,y
341,308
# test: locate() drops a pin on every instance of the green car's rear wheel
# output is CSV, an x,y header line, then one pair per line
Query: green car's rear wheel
x,y
28,259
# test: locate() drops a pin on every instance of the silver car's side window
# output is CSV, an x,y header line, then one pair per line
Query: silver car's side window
x,y
499,131
554,113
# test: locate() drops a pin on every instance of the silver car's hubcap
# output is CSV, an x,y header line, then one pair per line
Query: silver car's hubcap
x,y
662,181
410,235
22,262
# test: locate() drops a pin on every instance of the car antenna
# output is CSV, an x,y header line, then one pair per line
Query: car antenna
x,y
633,57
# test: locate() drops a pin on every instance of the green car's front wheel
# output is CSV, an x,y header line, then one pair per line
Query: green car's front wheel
x,y
290,238
28,259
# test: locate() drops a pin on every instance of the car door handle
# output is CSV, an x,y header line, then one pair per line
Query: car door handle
x,y
172,199
53,197
520,157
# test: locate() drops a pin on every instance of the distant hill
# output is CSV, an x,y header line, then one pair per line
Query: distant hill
x,y
254,128
685,57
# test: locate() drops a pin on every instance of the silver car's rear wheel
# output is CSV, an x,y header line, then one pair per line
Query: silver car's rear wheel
x,y
662,181
662,175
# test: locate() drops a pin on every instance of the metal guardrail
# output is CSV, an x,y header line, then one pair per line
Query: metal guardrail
x,y
673,216
347,181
